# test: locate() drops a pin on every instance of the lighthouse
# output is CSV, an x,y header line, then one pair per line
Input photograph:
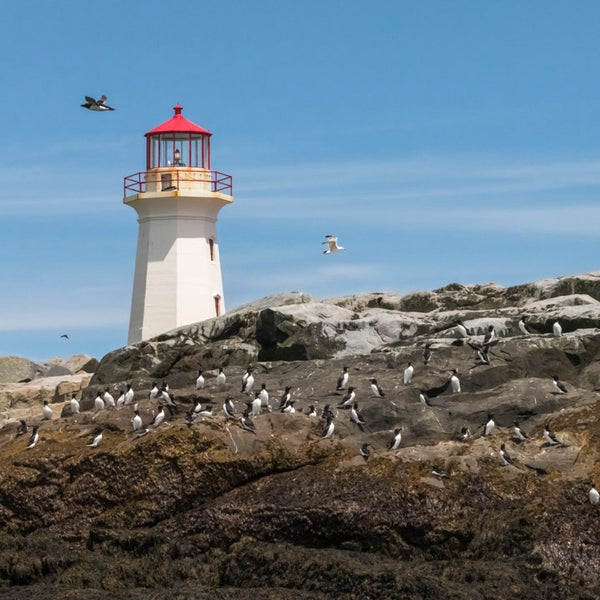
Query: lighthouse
x,y
177,278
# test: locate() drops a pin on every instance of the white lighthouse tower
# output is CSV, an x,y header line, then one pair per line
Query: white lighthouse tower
x,y
177,277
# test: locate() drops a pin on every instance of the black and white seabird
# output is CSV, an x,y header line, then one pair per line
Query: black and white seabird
x,y
47,411
482,352
93,443
289,408
462,329
439,473
505,456
427,353
154,391
376,388
342,381
246,423
489,425
489,337
408,373
285,399
159,418
326,413
310,411
329,428
348,399
167,400
33,438
64,335
129,394
364,451
557,328
256,405
465,433
22,428
394,443
221,377
109,401
247,381
332,244
228,408
593,495
121,399
199,381
98,402
423,398
264,396
550,437
519,433
356,417
558,385
455,382
74,405
136,421
96,105
523,326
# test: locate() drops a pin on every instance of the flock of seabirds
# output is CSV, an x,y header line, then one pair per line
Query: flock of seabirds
x,y
258,402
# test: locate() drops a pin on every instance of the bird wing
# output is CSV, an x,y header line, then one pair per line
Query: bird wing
x,y
90,100
102,99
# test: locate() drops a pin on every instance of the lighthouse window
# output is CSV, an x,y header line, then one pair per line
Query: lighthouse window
x,y
211,248
217,305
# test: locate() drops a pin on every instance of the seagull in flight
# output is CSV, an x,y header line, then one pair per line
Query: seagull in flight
x,y
64,335
97,105
331,241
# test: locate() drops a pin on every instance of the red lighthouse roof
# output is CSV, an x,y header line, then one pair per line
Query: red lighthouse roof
x,y
178,124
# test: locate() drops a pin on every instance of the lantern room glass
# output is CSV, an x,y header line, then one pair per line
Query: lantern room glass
x,y
178,150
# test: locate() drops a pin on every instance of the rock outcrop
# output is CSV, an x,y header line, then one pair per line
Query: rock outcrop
x,y
213,509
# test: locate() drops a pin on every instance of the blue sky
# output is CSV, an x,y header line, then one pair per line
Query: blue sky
x,y
441,141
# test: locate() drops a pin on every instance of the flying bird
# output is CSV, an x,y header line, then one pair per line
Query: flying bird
x,y
96,105
331,241
64,335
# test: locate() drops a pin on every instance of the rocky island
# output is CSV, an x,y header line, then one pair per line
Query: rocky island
x,y
414,501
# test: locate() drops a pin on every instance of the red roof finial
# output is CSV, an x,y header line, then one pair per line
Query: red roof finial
x,y
178,108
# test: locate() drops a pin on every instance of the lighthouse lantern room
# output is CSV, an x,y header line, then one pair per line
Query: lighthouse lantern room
x,y
177,279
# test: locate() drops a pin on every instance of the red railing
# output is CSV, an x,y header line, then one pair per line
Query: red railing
x,y
138,182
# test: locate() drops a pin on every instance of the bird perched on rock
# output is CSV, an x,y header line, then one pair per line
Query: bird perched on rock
x,y
329,428
364,451
311,412
247,381
121,399
455,382
159,418
264,396
505,456
22,428
489,337
489,425
560,387
427,353
47,411
550,437
129,394
332,244
557,328
228,408
95,441
285,399
326,412
439,473
33,438
221,377
348,399
376,388
462,329
342,381
109,401
96,105
408,373
256,405
424,399
136,421
394,443
521,435
465,433
246,423
289,408
482,352
167,400
199,381
154,391
593,495
74,403
98,402
523,326
356,417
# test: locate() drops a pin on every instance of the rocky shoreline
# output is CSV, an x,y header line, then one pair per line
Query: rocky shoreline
x,y
211,510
